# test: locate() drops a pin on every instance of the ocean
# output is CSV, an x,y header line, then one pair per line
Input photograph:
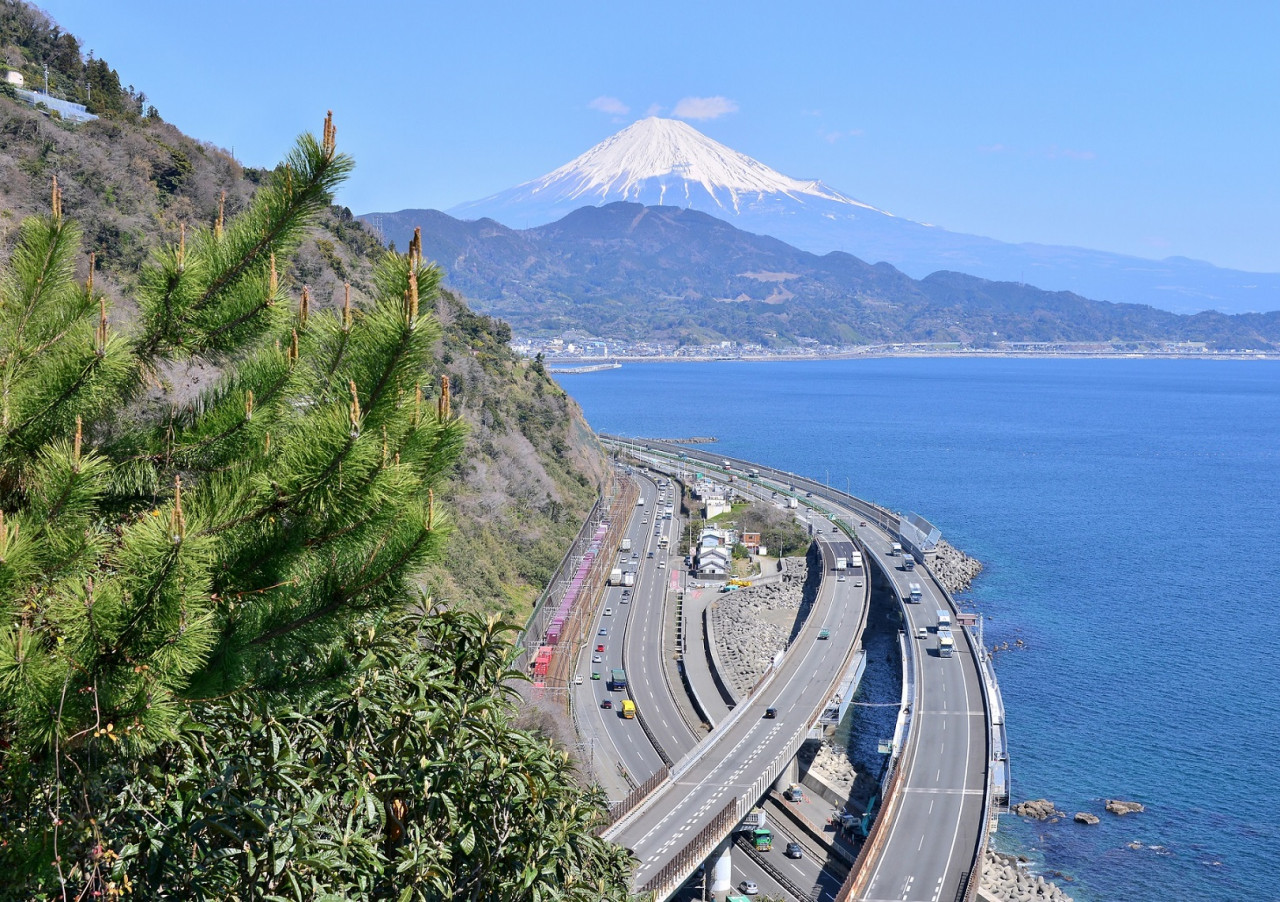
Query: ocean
x,y
1126,512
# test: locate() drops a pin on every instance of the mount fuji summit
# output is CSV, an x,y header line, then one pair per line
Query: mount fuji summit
x,y
666,162
663,162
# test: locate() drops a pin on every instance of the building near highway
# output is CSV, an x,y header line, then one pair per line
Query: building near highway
x,y
714,554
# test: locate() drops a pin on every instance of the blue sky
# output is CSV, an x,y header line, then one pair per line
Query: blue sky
x,y
1144,128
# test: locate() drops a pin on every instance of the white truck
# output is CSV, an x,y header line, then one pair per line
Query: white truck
x,y
895,549
946,644
841,564
626,544
914,589
792,503
615,576
908,561
628,578
640,502
944,620
855,560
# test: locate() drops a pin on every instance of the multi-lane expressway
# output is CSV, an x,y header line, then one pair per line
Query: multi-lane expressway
x,y
934,822
742,757
631,636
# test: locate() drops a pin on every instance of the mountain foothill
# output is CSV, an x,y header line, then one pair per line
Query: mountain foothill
x,y
661,234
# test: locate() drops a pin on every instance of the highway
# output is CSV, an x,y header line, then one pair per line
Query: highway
x,y
727,766
930,842
933,825
634,640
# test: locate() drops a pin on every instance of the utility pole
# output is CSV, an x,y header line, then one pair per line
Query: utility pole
x,y
46,79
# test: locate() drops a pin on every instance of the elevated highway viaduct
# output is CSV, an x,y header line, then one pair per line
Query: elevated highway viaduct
x,y
710,790
950,769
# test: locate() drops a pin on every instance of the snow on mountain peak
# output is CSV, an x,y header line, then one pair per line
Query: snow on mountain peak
x,y
670,157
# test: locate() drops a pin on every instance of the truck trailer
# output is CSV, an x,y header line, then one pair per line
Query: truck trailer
x,y
626,544
915,593
946,644
615,576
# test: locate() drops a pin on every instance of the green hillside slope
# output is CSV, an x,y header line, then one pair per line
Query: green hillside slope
x,y
531,467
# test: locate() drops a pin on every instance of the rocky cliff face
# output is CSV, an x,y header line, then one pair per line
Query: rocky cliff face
x,y
532,464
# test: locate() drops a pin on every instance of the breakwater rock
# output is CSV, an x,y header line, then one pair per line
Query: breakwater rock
x,y
1006,879
1084,817
1040,809
955,569
754,623
1115,806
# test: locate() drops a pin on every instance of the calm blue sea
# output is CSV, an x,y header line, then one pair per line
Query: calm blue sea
x,y
1127,512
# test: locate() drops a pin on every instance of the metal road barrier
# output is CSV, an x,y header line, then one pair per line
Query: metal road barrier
x,y
772,870
676,871
620,808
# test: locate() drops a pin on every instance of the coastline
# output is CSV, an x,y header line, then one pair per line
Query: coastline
x,y
577,362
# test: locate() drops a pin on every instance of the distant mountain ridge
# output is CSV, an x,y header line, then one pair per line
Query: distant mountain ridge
x,y
636,273
668,162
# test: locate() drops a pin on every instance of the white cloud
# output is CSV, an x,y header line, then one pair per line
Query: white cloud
x,y
1055,152
654,110
704,107
611,105
833,137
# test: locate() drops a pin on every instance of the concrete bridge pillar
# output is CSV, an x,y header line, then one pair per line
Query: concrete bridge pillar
x,y
720,869
789,774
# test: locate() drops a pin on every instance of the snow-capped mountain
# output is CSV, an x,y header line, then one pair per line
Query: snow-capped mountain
x,y
660,162
668,162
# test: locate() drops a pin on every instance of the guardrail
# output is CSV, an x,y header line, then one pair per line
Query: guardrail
x,y
620,808
676,871
769,868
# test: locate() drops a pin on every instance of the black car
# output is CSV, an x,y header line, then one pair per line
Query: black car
x,y
794,850
770,713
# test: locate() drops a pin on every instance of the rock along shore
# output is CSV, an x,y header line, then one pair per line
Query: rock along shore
x,y
955,569
1006,879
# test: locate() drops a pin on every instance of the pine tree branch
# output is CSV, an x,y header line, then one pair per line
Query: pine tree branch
x,y
343,596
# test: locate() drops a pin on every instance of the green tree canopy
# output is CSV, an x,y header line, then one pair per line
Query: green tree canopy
x,y
207,684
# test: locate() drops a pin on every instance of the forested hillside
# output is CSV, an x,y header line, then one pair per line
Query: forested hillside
x,y
132,182
266,493
630,273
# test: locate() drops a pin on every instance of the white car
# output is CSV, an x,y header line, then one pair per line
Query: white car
x,y
749,887
597,659
608,612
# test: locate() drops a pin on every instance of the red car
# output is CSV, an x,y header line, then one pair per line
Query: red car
x,y
607,703
599,648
